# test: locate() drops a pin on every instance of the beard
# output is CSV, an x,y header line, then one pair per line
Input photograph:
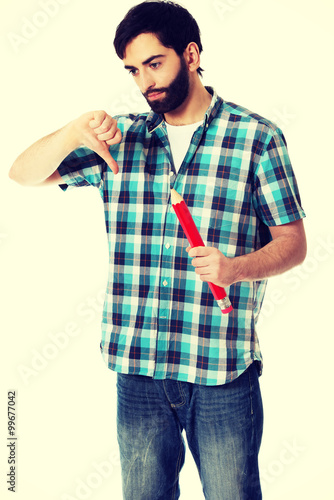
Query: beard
x,y
176,92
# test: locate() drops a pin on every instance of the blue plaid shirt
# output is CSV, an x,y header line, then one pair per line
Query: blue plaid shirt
x,y
159,318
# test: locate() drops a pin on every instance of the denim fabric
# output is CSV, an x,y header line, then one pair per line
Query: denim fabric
x,y
223,426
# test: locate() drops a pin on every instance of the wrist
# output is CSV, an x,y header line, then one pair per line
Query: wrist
x,y
71,136
239,270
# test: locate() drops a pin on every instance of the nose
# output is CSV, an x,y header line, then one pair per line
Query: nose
x,y
146,82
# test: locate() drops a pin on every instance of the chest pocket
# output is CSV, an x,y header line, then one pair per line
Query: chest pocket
x,y
215,231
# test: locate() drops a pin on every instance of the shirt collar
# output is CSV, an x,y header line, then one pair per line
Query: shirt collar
x,y
154,120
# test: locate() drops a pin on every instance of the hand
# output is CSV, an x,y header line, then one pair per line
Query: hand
x,y
97,130
212,266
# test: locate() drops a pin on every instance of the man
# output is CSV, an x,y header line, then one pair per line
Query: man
x,y
181,363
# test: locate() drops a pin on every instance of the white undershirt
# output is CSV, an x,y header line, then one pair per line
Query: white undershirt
x,y
179,140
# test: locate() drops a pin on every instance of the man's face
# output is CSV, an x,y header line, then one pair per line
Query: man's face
x,y
159,72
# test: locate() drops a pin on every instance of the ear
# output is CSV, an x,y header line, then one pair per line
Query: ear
x,y
192,57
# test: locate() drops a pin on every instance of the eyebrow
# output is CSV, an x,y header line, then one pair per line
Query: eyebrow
x,y
145,63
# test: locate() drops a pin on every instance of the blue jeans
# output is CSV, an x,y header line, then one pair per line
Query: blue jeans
x,y
223,426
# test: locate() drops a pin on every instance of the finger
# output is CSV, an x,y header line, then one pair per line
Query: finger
x,y
116,139
102,150
108,125
98,119
110,162
106,156
201,271
200,262
198,252
208,277
111,137
108,136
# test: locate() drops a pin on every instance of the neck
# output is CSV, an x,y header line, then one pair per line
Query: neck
x,y
194,107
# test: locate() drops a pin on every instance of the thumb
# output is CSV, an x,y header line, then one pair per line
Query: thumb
x,y
103,150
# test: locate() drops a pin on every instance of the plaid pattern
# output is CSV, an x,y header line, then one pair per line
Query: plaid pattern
x,y
160,319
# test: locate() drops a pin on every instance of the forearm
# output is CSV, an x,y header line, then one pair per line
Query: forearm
x,y
43,157
286,250
95,130
277,257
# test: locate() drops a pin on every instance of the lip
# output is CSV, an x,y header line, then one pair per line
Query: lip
x,y
154,96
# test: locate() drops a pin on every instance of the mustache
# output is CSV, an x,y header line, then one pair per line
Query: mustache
x,y
155,91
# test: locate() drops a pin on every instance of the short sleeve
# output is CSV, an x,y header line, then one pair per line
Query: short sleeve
x,y
82,167
276,195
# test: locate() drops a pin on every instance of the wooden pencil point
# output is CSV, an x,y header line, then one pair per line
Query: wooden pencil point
x,y
175,197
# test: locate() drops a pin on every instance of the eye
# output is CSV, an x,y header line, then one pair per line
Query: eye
x,y
133,72
155,65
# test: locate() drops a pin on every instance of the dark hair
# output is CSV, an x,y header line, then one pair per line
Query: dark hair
x,y
174,26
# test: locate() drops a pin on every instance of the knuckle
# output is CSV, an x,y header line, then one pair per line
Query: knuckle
x,y
103,129
100,114
99,117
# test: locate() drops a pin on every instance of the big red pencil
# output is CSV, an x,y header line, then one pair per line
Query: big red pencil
x,y
195,240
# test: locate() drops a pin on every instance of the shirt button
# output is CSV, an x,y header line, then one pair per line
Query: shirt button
x,y
167,246
171,173
165,283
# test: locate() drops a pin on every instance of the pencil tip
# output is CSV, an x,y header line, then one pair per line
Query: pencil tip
x,y
175,197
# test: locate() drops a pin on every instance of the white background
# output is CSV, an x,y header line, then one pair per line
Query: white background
x,y
272,56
